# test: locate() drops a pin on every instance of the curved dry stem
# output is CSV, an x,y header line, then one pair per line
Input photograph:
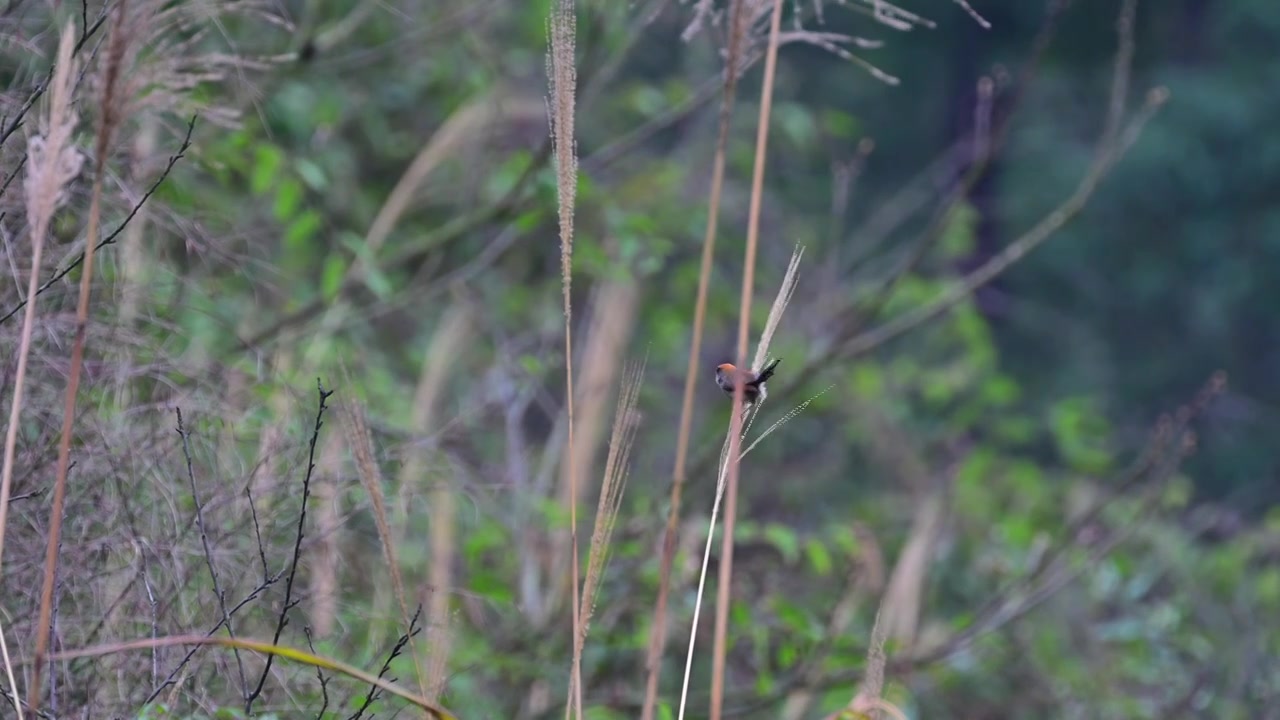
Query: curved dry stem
x,y
265,648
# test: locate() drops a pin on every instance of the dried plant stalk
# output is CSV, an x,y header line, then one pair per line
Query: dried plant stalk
x,y
563,74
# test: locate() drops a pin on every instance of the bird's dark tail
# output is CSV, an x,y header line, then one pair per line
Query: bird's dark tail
x,y
767,372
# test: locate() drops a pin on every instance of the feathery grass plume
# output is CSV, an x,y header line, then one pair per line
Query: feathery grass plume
x,y
109,107
780,301
779,306
868,699
166,58
562,72
612,315
658,628
616,468
361,444
53,161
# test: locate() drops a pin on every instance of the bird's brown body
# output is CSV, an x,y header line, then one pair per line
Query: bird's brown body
x,y
728,376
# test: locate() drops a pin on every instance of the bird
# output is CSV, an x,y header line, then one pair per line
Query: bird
x,y
727,377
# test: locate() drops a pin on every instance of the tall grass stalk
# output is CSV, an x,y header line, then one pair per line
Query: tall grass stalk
x,y
719,649
54,161
658,628
563,75
110,110
780,301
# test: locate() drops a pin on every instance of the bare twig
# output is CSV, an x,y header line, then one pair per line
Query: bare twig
x,y
398,648
172,677
110,238
289,602
324,681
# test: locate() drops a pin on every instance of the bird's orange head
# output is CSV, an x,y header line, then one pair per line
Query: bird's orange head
x,y
726,375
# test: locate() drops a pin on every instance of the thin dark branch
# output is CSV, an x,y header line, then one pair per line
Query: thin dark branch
x,y
289,602
324,681
373,693
36,493
257,533
111,238
40,89
21,163
208,552
173,674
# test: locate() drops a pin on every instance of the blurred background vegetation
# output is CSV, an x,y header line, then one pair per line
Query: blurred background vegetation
x,y
367,198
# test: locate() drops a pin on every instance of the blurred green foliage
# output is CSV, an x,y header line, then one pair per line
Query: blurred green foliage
x,y
1020,410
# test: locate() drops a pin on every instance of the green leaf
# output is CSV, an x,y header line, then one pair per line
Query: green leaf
x,y
266,166
784,539
335,268
302,229
288,196
819,557
959,236
840,124
312,174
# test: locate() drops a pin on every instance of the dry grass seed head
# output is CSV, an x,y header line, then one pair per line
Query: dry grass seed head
x,y
53,160
616,468
162,52
563,74
361,443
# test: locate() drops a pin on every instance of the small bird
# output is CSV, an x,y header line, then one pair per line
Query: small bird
x,y
727,376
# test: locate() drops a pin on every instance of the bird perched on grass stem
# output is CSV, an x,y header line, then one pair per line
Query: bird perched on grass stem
x,y
728,376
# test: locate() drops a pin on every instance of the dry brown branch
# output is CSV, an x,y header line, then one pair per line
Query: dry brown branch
x,y
1114,143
